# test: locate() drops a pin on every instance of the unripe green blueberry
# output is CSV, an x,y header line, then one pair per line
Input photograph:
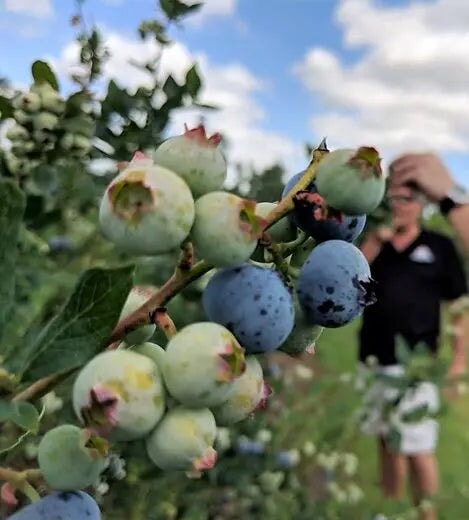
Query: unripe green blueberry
x,y
184,440
82,143
15,164
249,391
17,132
146,209
71,457
45,121
27,101
226,228
67,141
50,99
153,351
303,337
22,117
351,180
202,362
136,298
301,253
22,148
120,394
41,136
281,231
196,158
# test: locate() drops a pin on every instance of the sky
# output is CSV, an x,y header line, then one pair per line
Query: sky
x,y
392,74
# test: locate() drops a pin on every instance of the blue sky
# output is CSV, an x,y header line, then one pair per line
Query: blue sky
x,y
383,72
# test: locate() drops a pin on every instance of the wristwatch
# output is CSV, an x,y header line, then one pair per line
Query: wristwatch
x,y
457,196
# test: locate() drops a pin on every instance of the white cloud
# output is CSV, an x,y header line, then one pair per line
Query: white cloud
x,y
232,87
33,8
407,90
212,9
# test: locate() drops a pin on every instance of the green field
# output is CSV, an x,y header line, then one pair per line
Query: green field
x,y
336,354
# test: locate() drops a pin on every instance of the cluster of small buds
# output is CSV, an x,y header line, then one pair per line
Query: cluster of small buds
x,y
115,467
41,127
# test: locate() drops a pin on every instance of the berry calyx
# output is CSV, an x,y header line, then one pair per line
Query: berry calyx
x,y
200,135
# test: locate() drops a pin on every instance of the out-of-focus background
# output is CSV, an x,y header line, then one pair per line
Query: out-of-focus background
x,y
273,77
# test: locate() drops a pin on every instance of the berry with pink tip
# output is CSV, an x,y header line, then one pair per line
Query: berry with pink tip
x,y
120,395
184,440
249,391
196,158
226,228
203,360
146,209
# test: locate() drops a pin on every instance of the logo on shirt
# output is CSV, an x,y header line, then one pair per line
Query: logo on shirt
x,y
423,255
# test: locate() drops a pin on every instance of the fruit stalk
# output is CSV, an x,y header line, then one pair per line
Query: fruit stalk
x,y
42,386
286,204
20,480
163,321
176,283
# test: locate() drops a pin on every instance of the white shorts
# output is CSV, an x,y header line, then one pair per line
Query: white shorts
x,y
379,417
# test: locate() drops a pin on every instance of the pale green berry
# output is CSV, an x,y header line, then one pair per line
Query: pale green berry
x,y
17,132
28,101
71,458
120,394
184,440
45,121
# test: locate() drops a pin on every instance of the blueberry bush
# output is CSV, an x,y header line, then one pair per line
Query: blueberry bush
x,y
146,311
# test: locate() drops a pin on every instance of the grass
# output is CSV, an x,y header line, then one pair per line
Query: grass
x,y
336,353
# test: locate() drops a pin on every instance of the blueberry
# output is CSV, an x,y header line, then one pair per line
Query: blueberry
x,y
65,505
252,302
335,285
347,228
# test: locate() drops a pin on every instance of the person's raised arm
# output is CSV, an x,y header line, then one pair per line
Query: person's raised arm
x,y
428,172
374,241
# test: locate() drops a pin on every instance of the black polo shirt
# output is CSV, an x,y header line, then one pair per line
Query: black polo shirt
x,y
411,284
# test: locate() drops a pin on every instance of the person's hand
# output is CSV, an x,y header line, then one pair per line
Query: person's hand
x,y
384,234
426,171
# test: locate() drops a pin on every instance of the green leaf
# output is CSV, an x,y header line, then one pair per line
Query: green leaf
x,y
116,100
193,81
6,108
74,104
12,208
171,88
175,9
403,352
23,414
42,73
417,414
84,325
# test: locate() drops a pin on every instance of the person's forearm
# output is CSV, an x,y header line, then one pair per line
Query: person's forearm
x,y
459,219
371,247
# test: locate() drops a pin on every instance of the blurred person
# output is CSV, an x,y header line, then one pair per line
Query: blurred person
x,y
430,176
416,270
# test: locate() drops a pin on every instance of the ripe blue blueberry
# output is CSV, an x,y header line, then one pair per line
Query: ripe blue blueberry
x,y
335,284
66,505
252,302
